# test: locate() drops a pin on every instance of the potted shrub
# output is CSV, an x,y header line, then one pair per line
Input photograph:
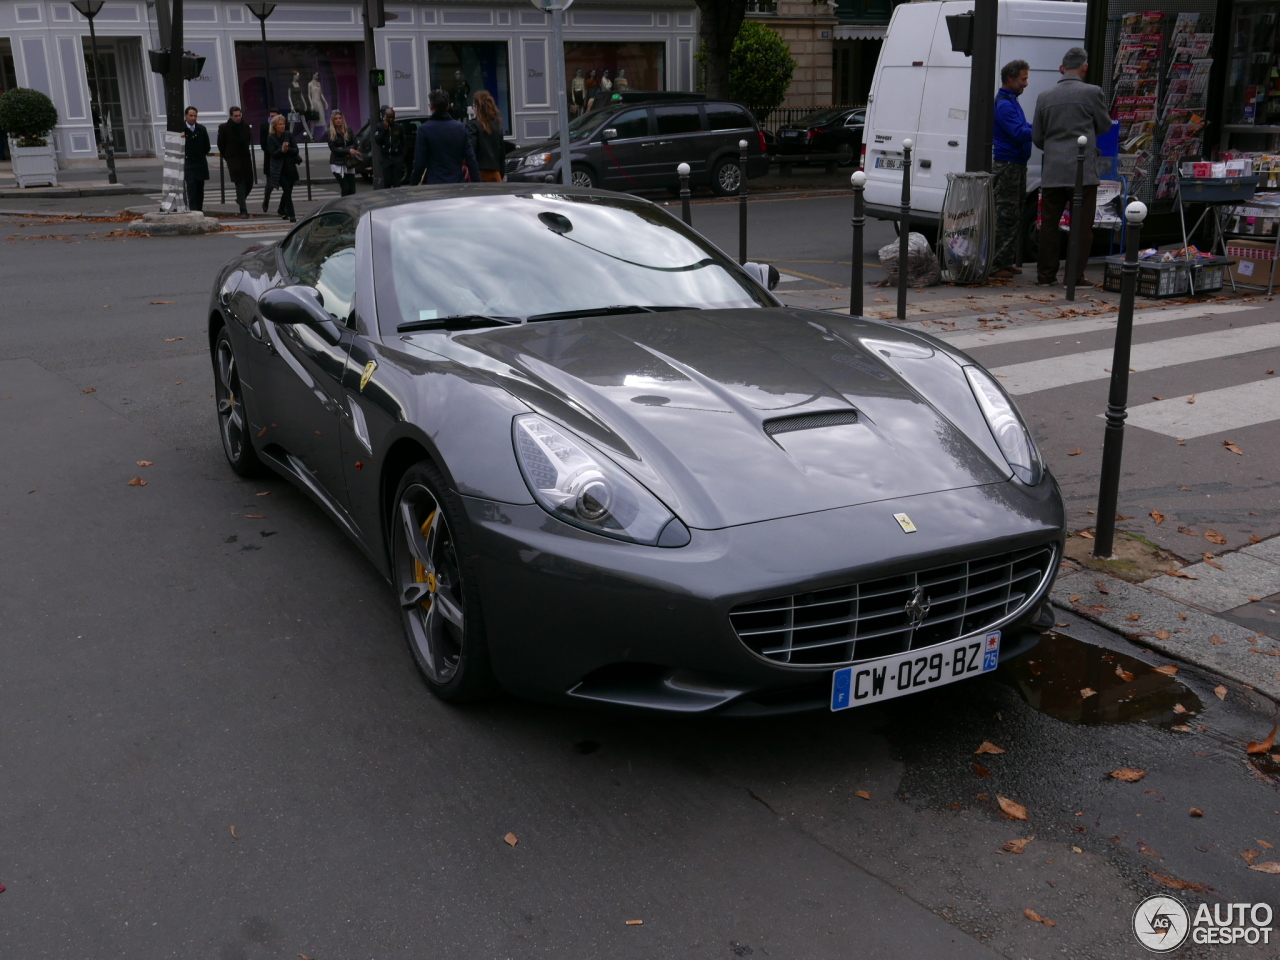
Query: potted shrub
x,y
27,116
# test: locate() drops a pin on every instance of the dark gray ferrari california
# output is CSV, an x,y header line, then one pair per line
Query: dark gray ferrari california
x,y
599,461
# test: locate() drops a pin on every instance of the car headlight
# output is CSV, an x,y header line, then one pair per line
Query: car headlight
x,y
536,160
1006,426
576,483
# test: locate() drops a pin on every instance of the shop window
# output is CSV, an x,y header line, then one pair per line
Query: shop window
x,y
678,119
308,81
597,70
464,68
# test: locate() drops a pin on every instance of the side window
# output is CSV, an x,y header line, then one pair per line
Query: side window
x,y
326,260
633,123
292,243
678,119
726,116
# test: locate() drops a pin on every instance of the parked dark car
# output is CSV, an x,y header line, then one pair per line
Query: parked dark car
x,y
598,461
634,146
834,132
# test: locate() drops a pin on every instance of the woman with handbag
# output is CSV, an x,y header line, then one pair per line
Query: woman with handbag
x,y
343,155
283,151
486,138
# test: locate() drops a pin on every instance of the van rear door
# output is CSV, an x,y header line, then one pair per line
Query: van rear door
x,y
894,111
944,114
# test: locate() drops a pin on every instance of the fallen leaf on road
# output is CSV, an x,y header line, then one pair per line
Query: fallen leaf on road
x,y
634,923
1124,516
980,770
1143,848
1180,573
1162,634
1215,640
1250,855
176,339
137,482
304,956
1182,616
1265,746
1187,530
157,303
1184,727
1017,846
1157,516
1123,674
1084,533
1076,452
145,463
989,747
511,839
1231,445
1264,845
233,832
1221,691
1134,616
1128,774
1253,537
267,493
864,794
1076,850
255,516
1168,669
1011,809
1197,812
1208,558
1101,588
1087,692
1073,598
1173,883
1153,398
1032,915
1213,536
878,299
1191,399
1179,708
1269,867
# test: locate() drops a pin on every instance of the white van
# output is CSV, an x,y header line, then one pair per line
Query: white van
x,y
921,92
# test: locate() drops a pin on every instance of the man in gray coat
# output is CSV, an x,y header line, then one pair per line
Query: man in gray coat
x,y
1068,110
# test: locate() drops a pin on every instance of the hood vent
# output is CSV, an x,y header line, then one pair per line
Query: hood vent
x,y
809,421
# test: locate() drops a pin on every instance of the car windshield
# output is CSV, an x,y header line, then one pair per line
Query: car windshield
x,y
821,116
581,127
527,254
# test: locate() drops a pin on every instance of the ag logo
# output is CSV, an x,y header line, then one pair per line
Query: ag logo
x,y
1161,923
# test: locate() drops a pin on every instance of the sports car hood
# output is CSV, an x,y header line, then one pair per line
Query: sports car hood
x,y
717,412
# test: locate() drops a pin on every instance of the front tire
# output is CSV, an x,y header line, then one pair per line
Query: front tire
x,y
846,153
726,177
583,176
233,421
436,587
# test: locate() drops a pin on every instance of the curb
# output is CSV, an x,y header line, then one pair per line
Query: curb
x,y
51,193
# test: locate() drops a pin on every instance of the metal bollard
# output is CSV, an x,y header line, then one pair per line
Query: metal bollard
x,y
1077,227
1118,399
742,201
859,181
904,228
306,156
222,179
685,213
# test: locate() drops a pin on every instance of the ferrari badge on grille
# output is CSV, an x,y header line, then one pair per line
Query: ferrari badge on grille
x,y
372,365
903,520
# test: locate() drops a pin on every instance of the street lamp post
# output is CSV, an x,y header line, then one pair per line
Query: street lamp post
x,y
557,8
262,11
89,9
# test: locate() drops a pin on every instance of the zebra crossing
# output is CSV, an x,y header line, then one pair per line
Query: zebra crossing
x,y
1253,328
320,191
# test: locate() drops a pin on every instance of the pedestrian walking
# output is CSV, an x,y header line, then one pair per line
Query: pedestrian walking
x,y
195,165
343,155
1010,151
393,145
283,150
1064,113
235,144
485,132
443,152
266,157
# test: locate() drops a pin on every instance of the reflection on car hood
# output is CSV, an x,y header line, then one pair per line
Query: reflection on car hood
x,y
691,402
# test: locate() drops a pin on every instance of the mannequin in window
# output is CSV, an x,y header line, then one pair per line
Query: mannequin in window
x,y
316,101
297,102
461,94
606,85
622,84
578,94
593,87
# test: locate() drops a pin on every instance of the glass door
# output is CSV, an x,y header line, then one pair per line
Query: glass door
x,y
108,92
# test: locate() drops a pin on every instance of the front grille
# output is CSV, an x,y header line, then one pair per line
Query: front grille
x,y
513,166
874,619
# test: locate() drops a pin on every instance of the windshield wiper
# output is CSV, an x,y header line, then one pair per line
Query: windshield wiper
x,y
605,311
457,320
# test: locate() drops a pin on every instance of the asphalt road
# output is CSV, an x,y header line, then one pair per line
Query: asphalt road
x,y
213,741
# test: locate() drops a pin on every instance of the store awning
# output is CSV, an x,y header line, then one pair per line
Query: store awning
x,y
855,31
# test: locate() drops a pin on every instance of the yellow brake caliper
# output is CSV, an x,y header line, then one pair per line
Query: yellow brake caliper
x,y
420,574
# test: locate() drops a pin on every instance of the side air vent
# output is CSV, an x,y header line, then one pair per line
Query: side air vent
x,y
809,421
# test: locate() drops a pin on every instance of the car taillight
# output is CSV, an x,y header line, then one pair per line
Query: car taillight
x,y
763,147
864,156
810,134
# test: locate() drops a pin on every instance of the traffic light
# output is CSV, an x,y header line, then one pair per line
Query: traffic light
x,y
375,13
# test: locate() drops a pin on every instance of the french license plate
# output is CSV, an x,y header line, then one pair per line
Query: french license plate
x,y
791,133
889,163
916,670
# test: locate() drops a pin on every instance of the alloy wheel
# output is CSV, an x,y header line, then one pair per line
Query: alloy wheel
x,y
429,584
582,179
844,154
231,418
730,177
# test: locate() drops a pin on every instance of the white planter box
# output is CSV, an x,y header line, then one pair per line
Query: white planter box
x,y
34,166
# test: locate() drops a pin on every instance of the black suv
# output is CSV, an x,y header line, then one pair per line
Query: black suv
x,y
634,146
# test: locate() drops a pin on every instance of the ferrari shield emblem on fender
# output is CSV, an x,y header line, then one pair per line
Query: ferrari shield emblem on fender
x,y
371,366
903,520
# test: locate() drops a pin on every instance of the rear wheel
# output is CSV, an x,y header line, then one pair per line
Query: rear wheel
x,y
846,153
583,176
233,423
435,586
726,177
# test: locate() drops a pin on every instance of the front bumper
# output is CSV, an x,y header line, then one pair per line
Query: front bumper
x,y
572,616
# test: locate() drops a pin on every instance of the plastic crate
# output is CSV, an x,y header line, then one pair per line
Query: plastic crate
x,y
1168,278
1217,189
1207,277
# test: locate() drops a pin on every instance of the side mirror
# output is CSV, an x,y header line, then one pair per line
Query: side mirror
x,y
609,133
766,274
295,304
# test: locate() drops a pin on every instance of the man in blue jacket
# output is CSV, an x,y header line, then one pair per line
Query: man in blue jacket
x,y
1011,149
443,147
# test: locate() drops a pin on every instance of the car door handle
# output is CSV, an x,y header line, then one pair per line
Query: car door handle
x,y
255,330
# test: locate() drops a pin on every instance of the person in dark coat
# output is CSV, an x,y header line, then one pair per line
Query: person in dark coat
x,y
443,149
195,166
235,142
283,151
485,130
263,133
392,147
343,155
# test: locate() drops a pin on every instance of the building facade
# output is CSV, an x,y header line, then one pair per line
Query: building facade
x,y
808,27
315,52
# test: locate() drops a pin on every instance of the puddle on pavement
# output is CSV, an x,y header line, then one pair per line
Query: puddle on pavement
x,y
1051,677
